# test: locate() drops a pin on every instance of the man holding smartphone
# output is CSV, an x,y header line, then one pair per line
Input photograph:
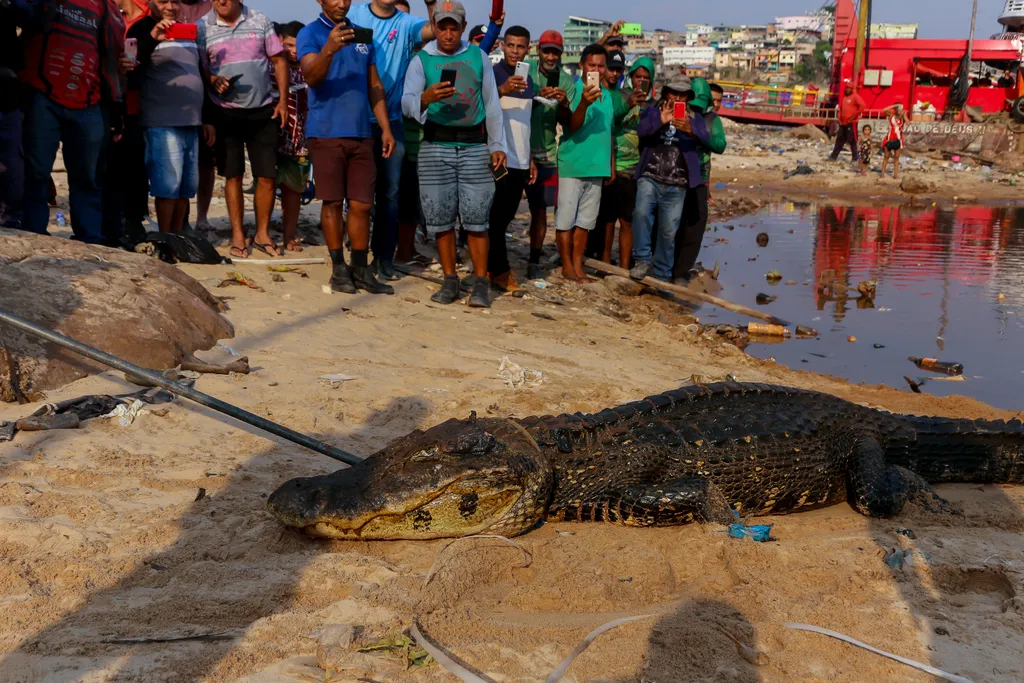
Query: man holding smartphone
x,y
451,91
556,88
586,158
516,87
238,45
669,167
339,64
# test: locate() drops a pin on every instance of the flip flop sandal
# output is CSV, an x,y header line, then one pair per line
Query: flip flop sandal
x,y
293,245
264,248
239,252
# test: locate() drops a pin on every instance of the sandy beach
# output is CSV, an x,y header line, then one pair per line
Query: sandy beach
x,y
158,530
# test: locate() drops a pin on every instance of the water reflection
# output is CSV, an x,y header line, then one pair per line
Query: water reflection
x,y
939,273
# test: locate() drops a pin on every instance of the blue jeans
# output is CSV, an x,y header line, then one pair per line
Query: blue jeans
x,y
12,170
384,240
172,161
82,132
668,201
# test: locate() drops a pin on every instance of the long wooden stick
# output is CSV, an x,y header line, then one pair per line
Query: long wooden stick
x,y
684,293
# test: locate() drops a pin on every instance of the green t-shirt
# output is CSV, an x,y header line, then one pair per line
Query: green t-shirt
x,y
544,120
624,124
587,153
716,140
466,108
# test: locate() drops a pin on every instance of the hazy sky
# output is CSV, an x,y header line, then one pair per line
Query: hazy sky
x,y
938,18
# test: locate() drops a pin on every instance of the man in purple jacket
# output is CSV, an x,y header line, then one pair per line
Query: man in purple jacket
x,y
669,166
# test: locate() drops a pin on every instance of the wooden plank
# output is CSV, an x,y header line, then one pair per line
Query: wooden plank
x,y
684,293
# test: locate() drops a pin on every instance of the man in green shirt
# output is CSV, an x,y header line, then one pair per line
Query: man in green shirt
x,y
586,159
695,210
619,197
556,87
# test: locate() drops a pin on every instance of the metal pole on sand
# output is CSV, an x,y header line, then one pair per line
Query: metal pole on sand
x,y
180,389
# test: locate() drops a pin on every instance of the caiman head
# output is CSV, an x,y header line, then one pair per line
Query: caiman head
x,y
460,478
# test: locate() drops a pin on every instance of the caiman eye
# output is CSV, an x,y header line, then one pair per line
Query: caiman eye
x,y
425,455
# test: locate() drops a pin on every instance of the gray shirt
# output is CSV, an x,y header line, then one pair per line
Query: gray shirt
x,y
172,86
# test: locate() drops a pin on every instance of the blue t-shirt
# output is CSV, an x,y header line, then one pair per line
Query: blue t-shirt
x,y
337,107
395,39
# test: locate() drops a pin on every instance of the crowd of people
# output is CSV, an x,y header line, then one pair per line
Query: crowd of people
x,y
394,122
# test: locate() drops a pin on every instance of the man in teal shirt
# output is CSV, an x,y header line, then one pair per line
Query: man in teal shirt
x,y
586,158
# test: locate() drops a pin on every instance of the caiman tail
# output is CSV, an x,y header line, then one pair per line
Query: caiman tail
x,y
970,451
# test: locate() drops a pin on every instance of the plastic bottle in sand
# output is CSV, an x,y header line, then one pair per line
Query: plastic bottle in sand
x,y
767,329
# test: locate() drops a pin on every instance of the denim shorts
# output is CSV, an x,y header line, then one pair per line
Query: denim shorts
x,y
579,201
172,161
455,182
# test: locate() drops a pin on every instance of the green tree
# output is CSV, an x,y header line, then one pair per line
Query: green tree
x,y
814,67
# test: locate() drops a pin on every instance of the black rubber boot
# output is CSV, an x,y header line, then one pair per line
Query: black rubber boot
x,y
480,298
449,292
341,279
365,278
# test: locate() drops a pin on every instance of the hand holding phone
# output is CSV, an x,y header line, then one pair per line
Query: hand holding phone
x,y
631,30
178,31
523,70
131,49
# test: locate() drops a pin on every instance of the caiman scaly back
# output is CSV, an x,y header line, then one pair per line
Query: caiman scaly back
x,y
693,454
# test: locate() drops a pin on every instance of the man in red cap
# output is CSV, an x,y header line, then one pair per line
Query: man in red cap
x,y
551,83
851,106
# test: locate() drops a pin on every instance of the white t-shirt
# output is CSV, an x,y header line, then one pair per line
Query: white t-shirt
x,y
518,110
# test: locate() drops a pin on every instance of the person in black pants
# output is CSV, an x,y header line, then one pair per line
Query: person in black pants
x,y
517,104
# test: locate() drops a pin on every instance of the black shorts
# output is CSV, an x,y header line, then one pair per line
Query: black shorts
x,y
409,211
618,200
241,130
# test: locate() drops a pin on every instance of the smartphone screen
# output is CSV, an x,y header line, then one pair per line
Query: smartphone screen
x,y
631,30
679,111
363,35
131,48
449,76
593,79
554,78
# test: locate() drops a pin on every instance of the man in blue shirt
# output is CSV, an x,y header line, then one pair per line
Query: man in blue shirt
x,y
395,37
342,78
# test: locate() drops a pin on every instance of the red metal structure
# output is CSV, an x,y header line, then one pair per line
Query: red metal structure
x,y
896,71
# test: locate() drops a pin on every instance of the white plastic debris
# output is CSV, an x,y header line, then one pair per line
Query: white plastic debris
x,y
127,413
228,349
335,381
516,376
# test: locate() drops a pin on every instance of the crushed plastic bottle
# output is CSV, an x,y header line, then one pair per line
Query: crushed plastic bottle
x,y
59,219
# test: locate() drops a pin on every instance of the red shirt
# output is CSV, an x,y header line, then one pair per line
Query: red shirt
x,y
850,109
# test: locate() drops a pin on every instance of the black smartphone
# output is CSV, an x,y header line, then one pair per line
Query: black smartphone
x,y
499,173
449,76
363,35
555,77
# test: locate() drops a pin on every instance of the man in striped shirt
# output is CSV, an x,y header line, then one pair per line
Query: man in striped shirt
x,y
237,45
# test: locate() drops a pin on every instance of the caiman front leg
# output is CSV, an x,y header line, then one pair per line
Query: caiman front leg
x,y
877,489
679,501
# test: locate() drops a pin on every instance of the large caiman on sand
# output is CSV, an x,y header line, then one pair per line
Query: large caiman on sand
x,y
698,453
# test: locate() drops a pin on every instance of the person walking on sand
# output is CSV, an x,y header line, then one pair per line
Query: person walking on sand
x,y
451,91
851,106
892,143
341,78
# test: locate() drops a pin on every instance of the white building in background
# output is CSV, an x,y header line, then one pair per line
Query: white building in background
x,y
906,31
799,23
682,56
